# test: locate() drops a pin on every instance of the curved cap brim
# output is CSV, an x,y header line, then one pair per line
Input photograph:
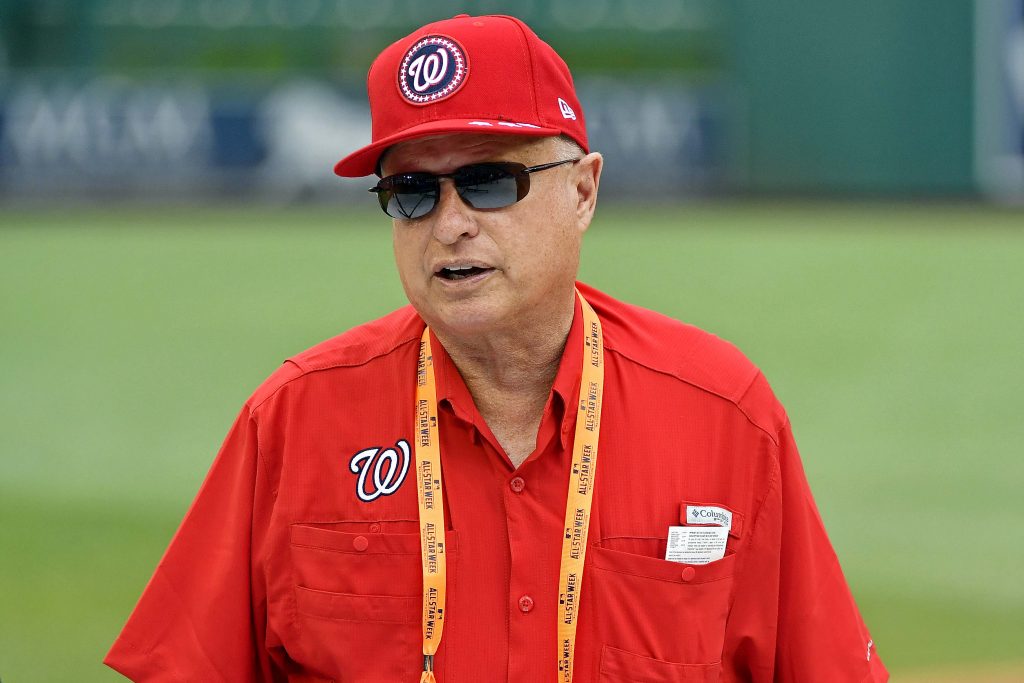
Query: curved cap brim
x,y
363,162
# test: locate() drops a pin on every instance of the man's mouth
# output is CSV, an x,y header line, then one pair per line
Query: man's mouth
x,y
460,272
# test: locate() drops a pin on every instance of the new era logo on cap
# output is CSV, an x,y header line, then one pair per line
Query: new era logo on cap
x,y
567,112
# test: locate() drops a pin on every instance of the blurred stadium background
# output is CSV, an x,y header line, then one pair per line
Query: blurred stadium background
x,y
834,186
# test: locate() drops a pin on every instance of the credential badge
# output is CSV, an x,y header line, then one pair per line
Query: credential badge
x,y
381,471
432,69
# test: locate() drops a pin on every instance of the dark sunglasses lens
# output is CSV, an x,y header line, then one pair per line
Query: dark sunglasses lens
x,y
487,186
408,196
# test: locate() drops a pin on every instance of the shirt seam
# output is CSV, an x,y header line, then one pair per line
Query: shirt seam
x,y
772,482
529,57
305,370
739,404
361,621
260,458
734,401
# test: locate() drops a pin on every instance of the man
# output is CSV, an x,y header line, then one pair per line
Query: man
x,y
517,478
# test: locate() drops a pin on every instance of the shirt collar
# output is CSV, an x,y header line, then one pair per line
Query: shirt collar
x,y
570,372
452,390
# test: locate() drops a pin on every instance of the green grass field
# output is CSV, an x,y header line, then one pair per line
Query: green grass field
x,y
893,334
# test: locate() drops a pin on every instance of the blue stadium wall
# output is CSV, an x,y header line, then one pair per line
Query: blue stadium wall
x,y
257,98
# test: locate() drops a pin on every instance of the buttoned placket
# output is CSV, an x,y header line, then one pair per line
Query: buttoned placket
x,y
528,506
520,505
533,498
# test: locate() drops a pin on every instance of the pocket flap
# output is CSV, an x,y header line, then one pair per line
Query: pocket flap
x,y
662,570
306,536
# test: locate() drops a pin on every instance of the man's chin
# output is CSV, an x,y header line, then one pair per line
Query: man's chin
x,y
465,319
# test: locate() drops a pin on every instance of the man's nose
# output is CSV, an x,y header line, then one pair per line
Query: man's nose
x,y
453,218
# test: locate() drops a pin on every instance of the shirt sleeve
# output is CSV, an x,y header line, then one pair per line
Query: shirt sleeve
x,y
794,619
202,615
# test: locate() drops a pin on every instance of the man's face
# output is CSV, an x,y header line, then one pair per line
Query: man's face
x,y
525,256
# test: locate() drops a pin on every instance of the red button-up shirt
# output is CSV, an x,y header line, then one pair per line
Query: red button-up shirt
x,y
299,559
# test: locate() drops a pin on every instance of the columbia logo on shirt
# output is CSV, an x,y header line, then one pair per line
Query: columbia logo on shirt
x,y
708,514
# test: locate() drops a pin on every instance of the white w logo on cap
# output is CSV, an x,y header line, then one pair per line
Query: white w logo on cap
x,y
428,70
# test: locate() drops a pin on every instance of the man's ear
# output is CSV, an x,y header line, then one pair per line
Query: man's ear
x,y
588,179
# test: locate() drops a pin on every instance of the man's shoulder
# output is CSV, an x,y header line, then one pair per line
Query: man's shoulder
x,y
689,354
360,345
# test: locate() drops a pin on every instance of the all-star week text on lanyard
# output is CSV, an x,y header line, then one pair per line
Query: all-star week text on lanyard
x,y
577,506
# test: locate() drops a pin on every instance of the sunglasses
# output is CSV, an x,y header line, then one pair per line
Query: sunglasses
x,y
491,185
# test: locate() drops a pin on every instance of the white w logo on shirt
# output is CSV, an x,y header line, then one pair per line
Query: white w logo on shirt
x,y
385,469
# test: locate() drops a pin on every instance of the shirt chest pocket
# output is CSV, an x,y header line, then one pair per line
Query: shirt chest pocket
x,y
358,599
668,615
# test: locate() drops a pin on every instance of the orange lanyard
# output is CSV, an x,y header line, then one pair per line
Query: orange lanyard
x,y
577,506
431,503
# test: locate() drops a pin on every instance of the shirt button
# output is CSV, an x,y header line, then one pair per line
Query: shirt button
x,y
688,573
525,604
360,543
517,484
375,528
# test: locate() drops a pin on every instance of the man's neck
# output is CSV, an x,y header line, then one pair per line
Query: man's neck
x,y
510,373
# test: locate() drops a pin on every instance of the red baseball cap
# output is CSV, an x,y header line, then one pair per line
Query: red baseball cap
x,y
489,74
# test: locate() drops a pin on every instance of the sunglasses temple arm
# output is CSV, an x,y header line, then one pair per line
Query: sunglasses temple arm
x,y
544,167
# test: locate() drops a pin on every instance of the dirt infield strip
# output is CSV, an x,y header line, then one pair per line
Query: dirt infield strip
x,y
983,674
